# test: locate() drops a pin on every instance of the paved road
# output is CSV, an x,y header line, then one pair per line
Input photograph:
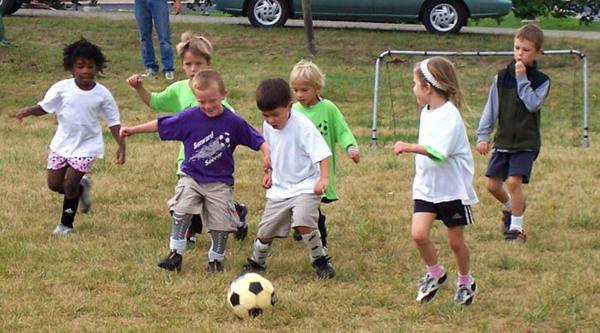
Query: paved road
x,y
293,23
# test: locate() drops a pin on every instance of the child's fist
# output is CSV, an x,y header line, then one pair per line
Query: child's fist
x,y
354,154
520,68
401,147
483,147
134,81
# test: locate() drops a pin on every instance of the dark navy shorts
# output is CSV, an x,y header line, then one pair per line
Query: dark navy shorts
x,y
503,165
452,213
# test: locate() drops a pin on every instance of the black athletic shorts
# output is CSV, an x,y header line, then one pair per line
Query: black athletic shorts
x,y
452,213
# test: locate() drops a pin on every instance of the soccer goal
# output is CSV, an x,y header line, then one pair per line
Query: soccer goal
x,y
476,67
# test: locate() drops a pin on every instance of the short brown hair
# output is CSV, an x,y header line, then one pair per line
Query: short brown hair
x,y
532,33
272,94
207,78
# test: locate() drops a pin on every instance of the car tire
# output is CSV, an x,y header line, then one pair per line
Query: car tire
x,y
267,13
7,7
444,16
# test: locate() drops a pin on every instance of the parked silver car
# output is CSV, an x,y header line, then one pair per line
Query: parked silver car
x,y
440,16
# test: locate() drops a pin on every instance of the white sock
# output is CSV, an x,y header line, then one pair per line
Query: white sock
x,y
178,245
508,205
516,223
314,244
260,252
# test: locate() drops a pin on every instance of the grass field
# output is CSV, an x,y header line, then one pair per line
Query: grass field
x,y
104,277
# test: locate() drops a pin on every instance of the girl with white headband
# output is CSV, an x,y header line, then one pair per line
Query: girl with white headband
x,y
443,184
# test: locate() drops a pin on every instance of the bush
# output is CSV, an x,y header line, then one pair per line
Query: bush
x,y
585,10
530,9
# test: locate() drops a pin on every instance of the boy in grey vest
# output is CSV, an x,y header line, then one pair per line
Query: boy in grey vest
x,y
514,102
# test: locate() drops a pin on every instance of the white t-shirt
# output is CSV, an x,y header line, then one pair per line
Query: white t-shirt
x,y
79,133
443,131
296,151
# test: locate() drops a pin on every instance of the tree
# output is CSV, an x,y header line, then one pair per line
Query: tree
x,y
530,9
308,28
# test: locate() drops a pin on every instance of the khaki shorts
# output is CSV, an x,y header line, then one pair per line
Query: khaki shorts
x,y
213,200
281,215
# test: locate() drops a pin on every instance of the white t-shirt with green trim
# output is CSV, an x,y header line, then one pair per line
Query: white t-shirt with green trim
x,y
448,176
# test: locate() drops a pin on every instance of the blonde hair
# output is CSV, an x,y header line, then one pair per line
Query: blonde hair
x,y
307,70
196,44
444,74
207,78
532,33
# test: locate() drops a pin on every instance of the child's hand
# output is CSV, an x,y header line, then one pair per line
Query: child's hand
x,y
266,162
22,114
483,147
321,186
401,147
354,154
267,180
134,81
125,132
121,155
520,68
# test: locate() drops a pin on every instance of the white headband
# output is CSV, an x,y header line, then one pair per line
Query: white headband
x,y
428,76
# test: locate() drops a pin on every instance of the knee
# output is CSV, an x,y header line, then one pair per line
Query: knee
x,y
55,186
514,183
456,245
420,237
493,185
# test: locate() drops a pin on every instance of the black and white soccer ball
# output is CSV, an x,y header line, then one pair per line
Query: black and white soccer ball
x,y
250,295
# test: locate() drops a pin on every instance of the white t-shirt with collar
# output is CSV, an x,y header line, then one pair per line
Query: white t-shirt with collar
x,y
296,151
442,131
79,133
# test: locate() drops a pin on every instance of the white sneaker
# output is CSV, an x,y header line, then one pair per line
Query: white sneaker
x,y
428,287
465,294
85,197
62,229
149,72
170,75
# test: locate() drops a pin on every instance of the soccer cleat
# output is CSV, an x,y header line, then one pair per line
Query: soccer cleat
x,y
62,230
297,235
215,266
323,267
242,230
149,72
465,294
429,286
170,75
253,267
515,236
85,197
505,221
172,262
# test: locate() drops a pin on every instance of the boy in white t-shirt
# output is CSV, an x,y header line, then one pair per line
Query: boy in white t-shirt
x,y
443,184
301,161
77,102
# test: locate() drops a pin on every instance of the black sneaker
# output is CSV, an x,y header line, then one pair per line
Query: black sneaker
x,y
253,267
242,230
505,221
297,235
323,267
172,262
215,266
515,236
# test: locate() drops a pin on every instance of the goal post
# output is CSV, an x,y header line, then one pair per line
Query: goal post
x,y
389,53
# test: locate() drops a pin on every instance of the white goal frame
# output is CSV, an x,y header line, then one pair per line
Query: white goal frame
x,y
585,140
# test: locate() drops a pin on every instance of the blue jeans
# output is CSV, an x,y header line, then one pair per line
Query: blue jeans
x,y
147,11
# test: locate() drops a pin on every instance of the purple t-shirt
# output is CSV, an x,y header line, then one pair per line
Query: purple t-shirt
x,y
209,143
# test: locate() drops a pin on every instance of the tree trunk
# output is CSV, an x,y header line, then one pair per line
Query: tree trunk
x,y
311,46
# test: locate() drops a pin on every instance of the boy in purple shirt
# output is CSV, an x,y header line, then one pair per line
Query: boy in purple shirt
x,y
210,133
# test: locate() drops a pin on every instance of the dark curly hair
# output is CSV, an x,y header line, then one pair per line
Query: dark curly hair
x,y
83,49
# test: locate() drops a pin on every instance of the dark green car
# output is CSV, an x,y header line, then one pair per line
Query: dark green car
x,y
440,16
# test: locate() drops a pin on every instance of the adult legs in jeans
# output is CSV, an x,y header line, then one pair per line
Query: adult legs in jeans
x,y
160,14
143,18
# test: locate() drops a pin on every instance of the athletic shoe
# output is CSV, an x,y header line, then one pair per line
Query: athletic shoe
x,y
242,230
516,236
172,262
170,75
429,286
465,294
85,197
190,237
505,221
297,235
215,266
149,72
323,267
253,267
62,230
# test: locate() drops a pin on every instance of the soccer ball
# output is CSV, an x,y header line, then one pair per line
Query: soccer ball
x,y
250,295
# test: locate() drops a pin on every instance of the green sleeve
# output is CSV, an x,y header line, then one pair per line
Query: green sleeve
x,y
435,155
170,99
343,134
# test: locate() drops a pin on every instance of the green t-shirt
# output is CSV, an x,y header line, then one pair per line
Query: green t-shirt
x,y
177,97
330,121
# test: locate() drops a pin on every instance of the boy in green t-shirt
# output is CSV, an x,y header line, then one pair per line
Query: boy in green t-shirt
x,y
195,52
307,80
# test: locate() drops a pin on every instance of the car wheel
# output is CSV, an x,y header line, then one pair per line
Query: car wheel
x,y
7,7
444,16
267,13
